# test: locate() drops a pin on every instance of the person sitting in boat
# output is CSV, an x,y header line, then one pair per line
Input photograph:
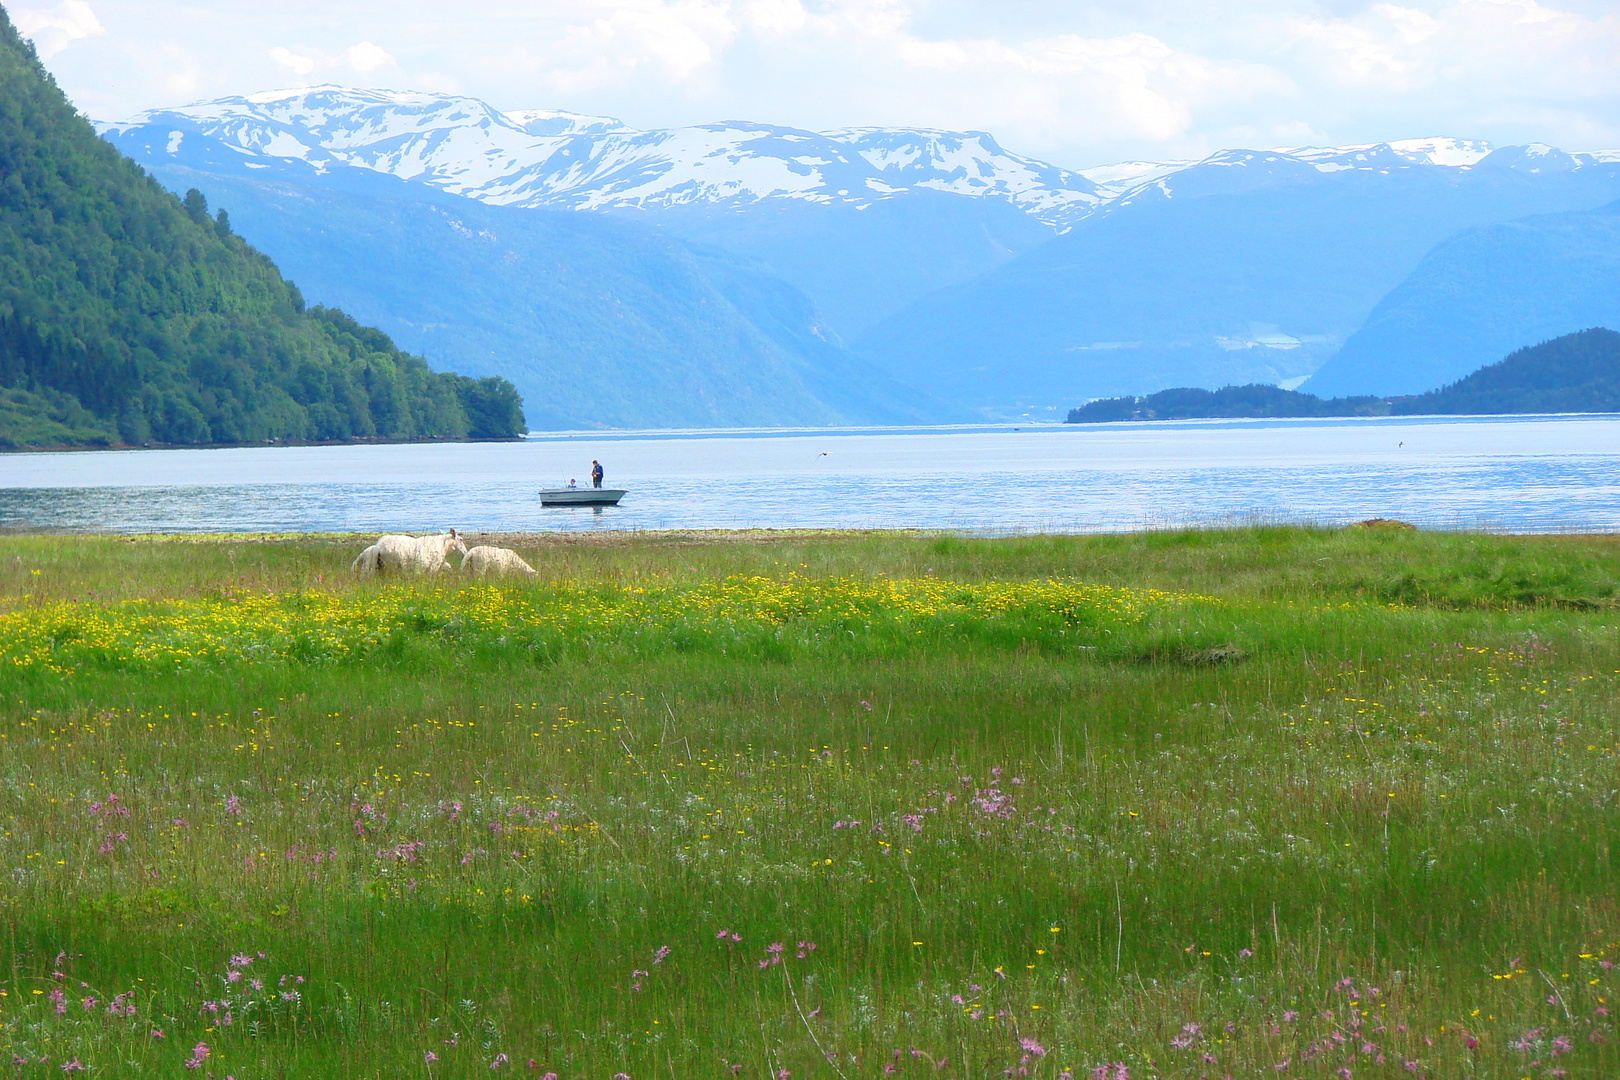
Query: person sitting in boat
x,y
596,473
572,485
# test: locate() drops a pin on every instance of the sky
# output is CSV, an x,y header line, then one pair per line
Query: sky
x,y
1075,83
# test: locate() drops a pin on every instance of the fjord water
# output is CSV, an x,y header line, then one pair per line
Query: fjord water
x,y
1518,474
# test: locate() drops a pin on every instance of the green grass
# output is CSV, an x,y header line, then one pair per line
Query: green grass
x,y
465,819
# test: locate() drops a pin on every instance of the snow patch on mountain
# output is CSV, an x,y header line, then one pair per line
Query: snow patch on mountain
x,y
1450,153
553,122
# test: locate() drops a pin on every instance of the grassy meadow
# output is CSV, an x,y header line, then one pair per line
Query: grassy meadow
x,y
1254,802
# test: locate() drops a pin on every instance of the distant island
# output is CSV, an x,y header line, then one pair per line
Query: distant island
x,y
130,317
1578,372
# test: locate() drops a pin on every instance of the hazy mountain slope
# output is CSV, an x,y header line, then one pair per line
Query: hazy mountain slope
x,y
127,316
597,322
1249,267
1577,372
862,264
1482,294
855,388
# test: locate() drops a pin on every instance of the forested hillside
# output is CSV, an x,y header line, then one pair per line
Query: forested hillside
x,y
1575,373
129,316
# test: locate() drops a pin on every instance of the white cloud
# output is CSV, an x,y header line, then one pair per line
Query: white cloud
x,y
773,17
621,41
293,62
1489,50
364,57
54,29
1076,83
1528,11
182,77
1134,85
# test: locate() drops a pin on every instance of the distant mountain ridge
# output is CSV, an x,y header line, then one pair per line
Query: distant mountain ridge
x,y
563,160
560,159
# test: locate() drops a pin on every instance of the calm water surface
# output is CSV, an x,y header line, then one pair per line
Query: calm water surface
x,y
1528,474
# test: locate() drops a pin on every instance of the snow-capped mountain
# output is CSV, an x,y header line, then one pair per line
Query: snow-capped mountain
x,y
565,160
555,159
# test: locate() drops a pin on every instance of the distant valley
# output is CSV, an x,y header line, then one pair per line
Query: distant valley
x,y
740,273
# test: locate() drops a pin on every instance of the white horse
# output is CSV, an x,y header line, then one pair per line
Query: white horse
x,y
494,560
408,554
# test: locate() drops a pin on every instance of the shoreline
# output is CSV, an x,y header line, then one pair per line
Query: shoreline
x,y
615,537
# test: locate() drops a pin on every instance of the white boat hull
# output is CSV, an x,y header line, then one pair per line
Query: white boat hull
x,y
581,496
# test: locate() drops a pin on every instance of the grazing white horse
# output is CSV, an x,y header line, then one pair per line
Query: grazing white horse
x,y
494,560
408,554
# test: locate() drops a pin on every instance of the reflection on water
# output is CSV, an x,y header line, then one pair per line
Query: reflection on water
x,y
1516,475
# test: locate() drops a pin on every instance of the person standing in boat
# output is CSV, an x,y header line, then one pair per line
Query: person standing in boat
x,y
596,473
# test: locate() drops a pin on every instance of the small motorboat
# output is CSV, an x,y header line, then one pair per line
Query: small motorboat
x,y
586,496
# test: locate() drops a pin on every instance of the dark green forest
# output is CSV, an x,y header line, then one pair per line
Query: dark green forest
x,y
1577,372
128,316
1253,400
